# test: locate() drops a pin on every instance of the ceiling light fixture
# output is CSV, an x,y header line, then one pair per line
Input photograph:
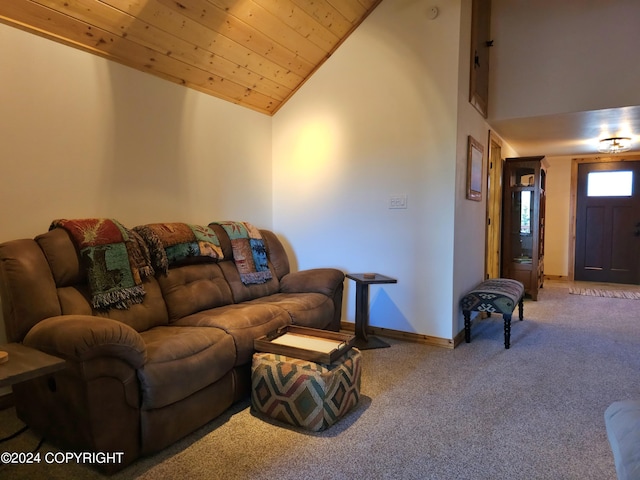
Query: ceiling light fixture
x,y
614,144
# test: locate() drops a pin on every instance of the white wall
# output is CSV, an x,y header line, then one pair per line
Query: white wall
x,y
378,118
470,216
84,137
558,217
81,136
543,49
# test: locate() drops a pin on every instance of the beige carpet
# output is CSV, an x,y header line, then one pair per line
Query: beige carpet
x,y
598,292
479,412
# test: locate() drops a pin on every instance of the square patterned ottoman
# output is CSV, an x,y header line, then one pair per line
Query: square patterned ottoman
x,y
305,394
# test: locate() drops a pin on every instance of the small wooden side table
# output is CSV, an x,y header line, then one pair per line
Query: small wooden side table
x,y
363,280
26,363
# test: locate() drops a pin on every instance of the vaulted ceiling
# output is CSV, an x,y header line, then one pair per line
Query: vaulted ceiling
x,y
254,53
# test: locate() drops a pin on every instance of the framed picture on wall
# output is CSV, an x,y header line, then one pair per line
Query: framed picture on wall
x,y
475,156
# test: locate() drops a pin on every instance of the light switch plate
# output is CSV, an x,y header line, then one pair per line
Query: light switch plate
x,y
398,201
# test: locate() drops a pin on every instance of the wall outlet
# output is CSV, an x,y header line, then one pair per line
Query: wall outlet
x,y
398,201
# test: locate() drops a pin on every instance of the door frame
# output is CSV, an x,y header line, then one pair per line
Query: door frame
x,y
493,223
573,204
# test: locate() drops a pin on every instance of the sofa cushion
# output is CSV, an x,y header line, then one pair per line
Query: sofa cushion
x,y
181,361
276,252
242,292
73,290
27,288
192,288
62,257
245,322
313,310
152,312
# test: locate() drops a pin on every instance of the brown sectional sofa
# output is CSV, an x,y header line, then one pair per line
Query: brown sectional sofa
x,y
139,379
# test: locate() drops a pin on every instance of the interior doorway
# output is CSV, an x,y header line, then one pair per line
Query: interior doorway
x,y
494,208
607,222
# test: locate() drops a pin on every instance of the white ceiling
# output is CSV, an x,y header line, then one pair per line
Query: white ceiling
x,y
570,133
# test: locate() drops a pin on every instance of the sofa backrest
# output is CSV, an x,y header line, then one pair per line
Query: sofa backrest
x,y
27,288
277,260
43,278
203,284
189,289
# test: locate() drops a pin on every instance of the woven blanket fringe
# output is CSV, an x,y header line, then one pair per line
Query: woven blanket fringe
x,y
255,277
120,299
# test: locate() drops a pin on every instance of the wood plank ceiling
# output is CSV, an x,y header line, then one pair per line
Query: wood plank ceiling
x,y
254,53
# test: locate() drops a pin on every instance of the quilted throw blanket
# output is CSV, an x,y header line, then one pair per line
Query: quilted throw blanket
x,y
115,259
172,243
249,251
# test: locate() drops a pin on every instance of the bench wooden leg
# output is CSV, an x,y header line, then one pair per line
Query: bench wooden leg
x,y
521,308
467,326
507,330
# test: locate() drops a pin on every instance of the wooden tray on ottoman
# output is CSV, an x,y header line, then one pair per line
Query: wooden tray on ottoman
x,y
319,346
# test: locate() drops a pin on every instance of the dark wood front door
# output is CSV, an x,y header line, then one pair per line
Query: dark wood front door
x,y
608,223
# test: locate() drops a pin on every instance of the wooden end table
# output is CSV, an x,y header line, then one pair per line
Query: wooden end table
x,y
26,363
363,280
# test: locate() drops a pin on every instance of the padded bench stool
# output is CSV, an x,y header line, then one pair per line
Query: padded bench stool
x,y
305,394
496,295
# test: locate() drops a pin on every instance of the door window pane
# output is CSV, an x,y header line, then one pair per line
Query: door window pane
x,y
610,184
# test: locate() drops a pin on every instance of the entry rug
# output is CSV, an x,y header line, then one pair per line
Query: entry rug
x,y
596,292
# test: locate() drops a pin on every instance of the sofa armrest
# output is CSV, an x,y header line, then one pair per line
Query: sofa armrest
x,y
317,280
622,421
83,337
